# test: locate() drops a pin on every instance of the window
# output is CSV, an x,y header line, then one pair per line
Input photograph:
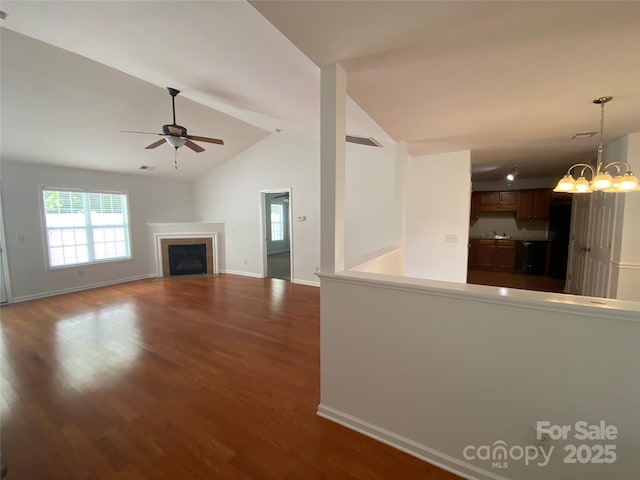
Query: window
x,y
85,227
277,222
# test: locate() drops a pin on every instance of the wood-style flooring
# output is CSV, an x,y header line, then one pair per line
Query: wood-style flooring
x,y
516,280
189,378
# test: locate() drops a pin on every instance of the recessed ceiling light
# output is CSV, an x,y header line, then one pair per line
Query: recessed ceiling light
x,y
583,135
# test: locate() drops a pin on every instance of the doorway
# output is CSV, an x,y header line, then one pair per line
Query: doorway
x,y
276,215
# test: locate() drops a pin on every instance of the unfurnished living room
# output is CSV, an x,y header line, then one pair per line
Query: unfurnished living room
x,y
320,239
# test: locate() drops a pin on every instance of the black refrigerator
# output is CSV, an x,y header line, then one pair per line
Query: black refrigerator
x,y
559,226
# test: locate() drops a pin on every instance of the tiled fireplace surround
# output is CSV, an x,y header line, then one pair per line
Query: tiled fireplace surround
x,y
164,250
161,235
162,242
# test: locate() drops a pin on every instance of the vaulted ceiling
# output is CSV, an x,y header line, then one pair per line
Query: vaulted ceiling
x,y
511,81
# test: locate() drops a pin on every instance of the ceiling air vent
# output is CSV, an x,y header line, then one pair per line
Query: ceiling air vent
x,y
370,142
583,135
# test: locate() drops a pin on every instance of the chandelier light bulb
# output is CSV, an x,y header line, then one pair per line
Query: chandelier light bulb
x,y
566,184
628,182
582,185
602,181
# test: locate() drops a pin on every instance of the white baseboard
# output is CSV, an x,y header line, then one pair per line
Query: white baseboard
x,y
418,450
305,282
244,274
52,293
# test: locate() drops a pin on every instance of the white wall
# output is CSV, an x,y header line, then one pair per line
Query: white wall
x,y
389,261
431,367
231,194
625,266
438,203
149,201
372,210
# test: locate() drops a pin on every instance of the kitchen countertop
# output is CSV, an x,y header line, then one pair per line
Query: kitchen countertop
x,y
519,238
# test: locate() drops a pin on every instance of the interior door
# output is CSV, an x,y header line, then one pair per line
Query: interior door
x,y
598,261
578,243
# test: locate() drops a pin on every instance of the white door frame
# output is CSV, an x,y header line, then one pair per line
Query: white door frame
x,y
4,273
263,228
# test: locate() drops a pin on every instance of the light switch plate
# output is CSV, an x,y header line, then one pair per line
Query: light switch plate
x,y
450,238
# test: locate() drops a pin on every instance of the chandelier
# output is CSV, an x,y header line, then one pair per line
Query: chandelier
x,y
610,177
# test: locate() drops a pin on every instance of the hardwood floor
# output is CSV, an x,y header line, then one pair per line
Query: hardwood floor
x,y
516,280
190,378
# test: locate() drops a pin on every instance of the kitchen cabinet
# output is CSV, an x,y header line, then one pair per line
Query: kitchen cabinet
x,y
533,204
492,255
497,201
475,199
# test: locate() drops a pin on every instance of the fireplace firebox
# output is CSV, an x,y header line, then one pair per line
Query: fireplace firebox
x,y
188,259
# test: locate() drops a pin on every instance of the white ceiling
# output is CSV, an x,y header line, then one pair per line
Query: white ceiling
x,y
511,81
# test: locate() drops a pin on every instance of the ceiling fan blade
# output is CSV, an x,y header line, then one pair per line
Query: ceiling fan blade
x,y
146,133
205,139
195,147
155,144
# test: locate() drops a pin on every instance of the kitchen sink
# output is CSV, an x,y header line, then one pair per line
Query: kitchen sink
x,y
497,237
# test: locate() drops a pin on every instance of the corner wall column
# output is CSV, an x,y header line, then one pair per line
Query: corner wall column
x,y
333,91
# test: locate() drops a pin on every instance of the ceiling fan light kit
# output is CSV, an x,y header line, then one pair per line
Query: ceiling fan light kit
x,y
176,135
610,177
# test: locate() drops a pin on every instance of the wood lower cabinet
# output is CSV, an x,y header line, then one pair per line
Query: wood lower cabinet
x,y
492,255
505,256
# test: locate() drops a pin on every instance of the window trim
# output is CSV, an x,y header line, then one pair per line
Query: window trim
x,y
45,236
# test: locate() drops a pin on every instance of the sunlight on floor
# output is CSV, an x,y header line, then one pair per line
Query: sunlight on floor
x,y
91,348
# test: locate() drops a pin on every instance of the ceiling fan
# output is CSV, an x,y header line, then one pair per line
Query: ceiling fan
x,y
176,135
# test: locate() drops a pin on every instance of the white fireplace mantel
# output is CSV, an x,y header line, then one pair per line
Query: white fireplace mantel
x,y
163,231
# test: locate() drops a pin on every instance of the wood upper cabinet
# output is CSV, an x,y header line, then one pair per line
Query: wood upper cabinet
x,y
475,200
497,201
533,204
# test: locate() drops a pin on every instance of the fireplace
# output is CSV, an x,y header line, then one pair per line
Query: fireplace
x,y
187,255
187,259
